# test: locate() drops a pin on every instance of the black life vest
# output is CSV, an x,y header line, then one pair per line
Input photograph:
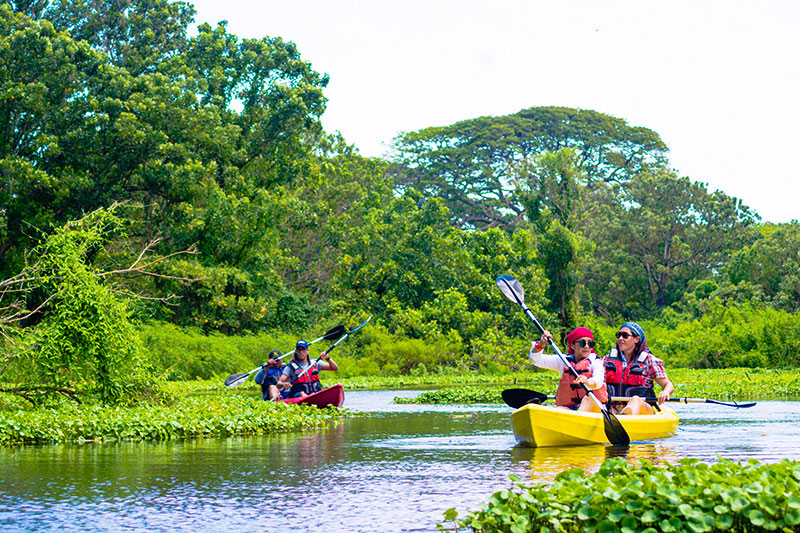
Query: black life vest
x,y
630,381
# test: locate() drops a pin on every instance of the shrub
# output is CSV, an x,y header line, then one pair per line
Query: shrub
x,y
691,496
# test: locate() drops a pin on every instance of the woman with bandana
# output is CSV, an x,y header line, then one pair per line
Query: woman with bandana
x,y
631,370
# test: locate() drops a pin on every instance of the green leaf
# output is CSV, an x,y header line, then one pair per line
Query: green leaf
x,y
633,506
756,517
616,514
792,517
724,521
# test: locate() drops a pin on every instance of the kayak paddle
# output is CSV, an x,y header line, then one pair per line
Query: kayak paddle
x,y
237,379
332,347
517,398
615,433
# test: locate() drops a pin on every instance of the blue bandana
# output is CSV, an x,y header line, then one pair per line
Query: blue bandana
x,y
639,332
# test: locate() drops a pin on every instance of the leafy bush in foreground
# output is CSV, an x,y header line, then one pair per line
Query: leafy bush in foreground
x,y
691,496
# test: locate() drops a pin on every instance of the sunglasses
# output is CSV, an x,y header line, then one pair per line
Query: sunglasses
x,y
624,335
584,343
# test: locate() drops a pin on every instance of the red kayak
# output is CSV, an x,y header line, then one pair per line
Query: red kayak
x,y
332,396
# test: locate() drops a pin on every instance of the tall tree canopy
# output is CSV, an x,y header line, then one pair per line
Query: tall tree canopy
x,y
661,232
473,164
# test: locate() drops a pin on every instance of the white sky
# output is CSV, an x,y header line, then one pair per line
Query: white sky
x,y
719,80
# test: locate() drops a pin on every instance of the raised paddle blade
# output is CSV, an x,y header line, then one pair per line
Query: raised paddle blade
x,y
335,333
236,379
511,288
517,398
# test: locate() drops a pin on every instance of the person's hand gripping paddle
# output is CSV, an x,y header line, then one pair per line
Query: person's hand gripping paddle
x,y
237,379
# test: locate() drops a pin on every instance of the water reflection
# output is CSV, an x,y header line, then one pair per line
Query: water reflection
x,y
543,464
396,469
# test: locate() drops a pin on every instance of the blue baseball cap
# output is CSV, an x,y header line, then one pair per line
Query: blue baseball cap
x,y
301,344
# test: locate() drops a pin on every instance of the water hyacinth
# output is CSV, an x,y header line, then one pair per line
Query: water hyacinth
x,y
200,416
456,395
721,384
688,497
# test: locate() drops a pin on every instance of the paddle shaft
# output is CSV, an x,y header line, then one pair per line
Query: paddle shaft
x,y
237,379
518,397
335,344
615,433
561,356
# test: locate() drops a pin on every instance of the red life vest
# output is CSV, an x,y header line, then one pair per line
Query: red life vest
x,y
569,393
308,382
630,381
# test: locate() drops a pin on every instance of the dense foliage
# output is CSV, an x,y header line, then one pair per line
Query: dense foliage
x,y
218,415
210,143
690,496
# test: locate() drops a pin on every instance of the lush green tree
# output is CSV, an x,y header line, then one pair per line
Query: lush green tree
x,y
772,264
318,212
78,333
137,35
192,153
278,95
43,75
661,232
551,188
472,164
406,256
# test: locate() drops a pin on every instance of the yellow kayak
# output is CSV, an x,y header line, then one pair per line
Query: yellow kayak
x,y
540,425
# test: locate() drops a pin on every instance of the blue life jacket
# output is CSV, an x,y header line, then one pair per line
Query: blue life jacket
x,y
265,377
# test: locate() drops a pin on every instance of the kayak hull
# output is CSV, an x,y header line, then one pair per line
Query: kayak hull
x,y
539,425
328,397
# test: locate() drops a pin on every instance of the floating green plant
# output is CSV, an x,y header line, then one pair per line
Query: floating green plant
x,y
688,497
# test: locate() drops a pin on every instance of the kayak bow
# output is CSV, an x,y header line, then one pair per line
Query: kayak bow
x,y
331,396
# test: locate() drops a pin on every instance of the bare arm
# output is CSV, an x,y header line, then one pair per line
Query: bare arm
x,y
328,363
667,389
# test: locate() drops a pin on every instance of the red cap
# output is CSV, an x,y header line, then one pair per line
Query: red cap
x,y
578,333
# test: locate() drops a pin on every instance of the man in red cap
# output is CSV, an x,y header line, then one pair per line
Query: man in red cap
x,y
582,357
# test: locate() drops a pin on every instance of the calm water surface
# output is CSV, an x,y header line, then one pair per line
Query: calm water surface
x,y
396,469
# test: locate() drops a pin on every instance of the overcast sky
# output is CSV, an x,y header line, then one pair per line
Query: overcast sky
x,y
718,80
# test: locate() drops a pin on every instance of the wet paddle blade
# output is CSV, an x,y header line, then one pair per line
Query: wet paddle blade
x,y
614,431
517,398
732,404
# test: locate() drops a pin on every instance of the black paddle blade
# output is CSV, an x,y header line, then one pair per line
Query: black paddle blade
x,y
235,379
511,288
614,431
517,398
335,333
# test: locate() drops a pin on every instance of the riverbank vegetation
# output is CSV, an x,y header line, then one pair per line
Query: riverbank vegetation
x,y
720,384
690,496
183,416
172,209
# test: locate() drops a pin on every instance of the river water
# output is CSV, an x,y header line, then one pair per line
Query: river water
x,y
396,468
